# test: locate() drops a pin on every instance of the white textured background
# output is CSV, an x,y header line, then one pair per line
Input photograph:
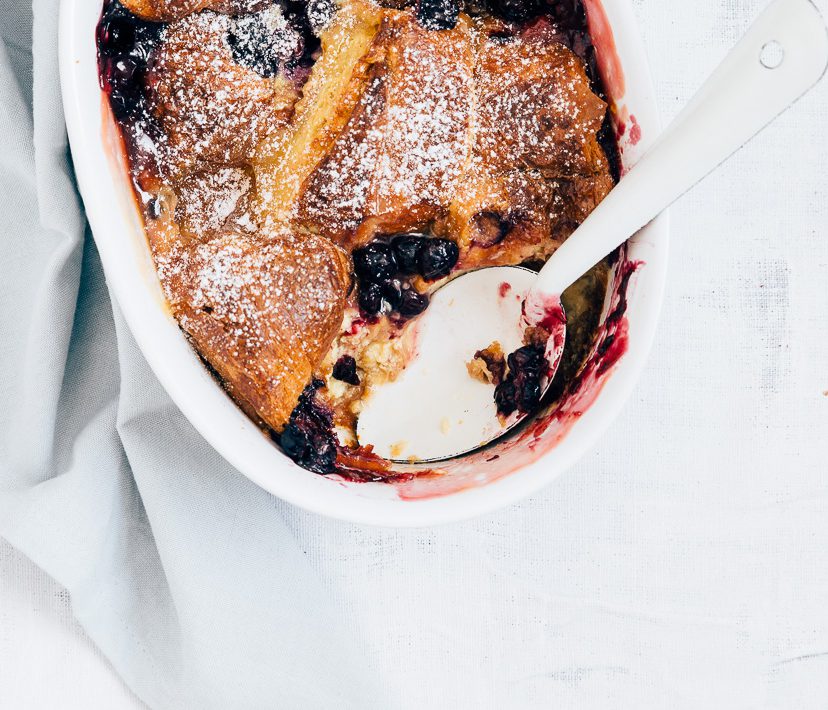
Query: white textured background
x,y
684,563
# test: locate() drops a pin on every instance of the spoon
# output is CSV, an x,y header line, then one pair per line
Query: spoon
x,y
435,409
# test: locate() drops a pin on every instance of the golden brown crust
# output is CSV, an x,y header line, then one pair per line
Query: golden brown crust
x,y
485,141
402,154
214,200
535,108
263,312
212,109
536,156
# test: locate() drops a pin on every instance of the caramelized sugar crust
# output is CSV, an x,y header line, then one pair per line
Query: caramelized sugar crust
x,y
489,141
212,109
400,157
261,310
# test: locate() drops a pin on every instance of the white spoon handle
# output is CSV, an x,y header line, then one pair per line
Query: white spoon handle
x,y
742,96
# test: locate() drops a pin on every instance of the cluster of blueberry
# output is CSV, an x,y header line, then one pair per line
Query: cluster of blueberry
x,y
125,43
309,437
521,388
382,268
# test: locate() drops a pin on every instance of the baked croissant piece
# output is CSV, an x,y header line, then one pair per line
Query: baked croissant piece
x,y
212,108
399,159
263,312
487,140
537,168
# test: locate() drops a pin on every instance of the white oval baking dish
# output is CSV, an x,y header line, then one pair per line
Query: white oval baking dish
x,y
478,485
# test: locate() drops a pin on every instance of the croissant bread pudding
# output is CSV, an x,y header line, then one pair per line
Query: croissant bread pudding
x,y
310,172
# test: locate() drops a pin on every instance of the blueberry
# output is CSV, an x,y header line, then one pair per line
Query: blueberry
x,y
126,101
309,437
266,41
370,299
437,258
294,442
123,33
505,397
392,293
407,248
413,303
375,263
438,14
529,358
117,34
521,389
322,458
569,15
528,392
141,51
123,70
319,14
515,10
345,370
314,450
491,228
125,43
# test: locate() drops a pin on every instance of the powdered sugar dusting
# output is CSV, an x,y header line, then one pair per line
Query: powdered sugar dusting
x,y
287,286
264,41
320,13
536,109
458,124
402,153
262,309
208,201
212,109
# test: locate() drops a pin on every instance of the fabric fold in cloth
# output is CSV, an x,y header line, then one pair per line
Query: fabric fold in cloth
x,y
181,571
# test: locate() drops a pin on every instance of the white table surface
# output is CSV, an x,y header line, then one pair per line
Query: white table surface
x,y
46,659
729,245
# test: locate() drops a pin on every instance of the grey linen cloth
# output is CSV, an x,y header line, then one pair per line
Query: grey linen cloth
x,y
183,572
